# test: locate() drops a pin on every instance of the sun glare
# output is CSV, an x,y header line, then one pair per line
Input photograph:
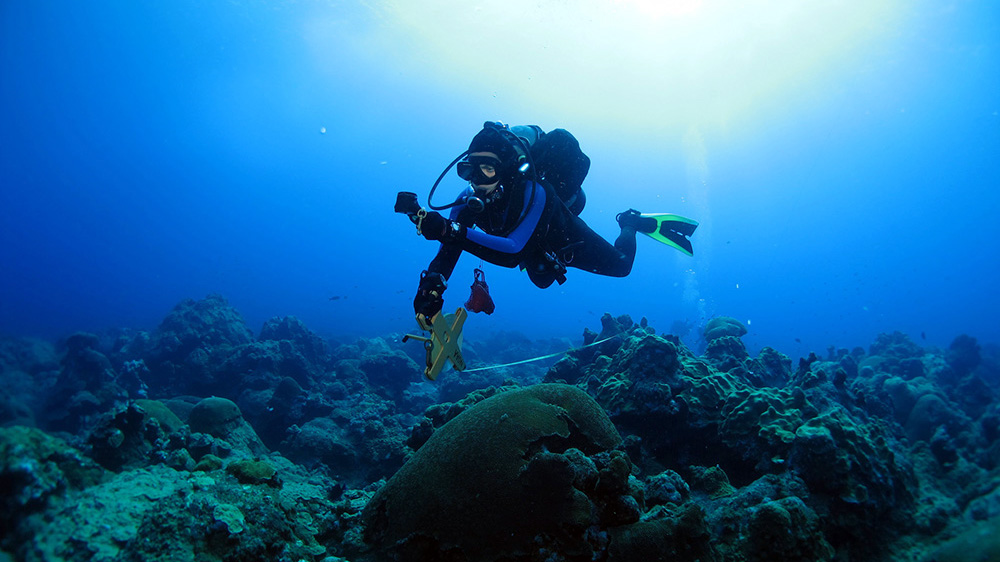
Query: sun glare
x,y
658,10
642,62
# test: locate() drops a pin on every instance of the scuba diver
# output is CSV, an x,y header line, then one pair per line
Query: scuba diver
x,y
521,209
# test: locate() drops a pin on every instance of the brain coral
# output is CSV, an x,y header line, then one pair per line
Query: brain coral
x,y
502,479
215,416
724,326
221,418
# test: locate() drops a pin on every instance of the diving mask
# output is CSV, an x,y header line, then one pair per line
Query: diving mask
x,y
479,170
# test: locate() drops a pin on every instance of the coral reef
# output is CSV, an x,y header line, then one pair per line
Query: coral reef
x,y
199,441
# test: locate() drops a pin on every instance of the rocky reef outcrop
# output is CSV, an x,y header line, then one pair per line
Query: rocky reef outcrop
x,y
202,441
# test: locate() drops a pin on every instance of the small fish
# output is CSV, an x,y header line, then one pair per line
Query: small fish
x,y
337,298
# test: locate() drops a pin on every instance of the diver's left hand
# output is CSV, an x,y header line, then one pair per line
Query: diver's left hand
x,y
429,298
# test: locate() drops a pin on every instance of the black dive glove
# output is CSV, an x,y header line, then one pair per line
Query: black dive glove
x,y
433,226
429,297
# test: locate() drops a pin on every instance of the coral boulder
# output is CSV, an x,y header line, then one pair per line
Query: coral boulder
x,y
528,469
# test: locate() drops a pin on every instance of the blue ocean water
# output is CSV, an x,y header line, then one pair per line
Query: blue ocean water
x,y
842,160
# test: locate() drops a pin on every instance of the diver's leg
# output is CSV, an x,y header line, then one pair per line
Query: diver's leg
x,y
596,255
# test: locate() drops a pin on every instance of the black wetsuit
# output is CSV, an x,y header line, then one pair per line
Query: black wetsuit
x,y
533,229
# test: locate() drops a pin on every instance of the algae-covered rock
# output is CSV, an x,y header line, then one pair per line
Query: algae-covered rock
x,y
135,434
34,467
187,351
775,368
121,439
228,521
13,411
853,463
254,471
87,385
30,355
389,371
208,463
763,419
727,353
28,368
303,340
712,481
785,530
179,459
263,363
666,487
895,345
161,514
682,538
642,377
231,517
929,413
495,482
100,520
963,355
321,439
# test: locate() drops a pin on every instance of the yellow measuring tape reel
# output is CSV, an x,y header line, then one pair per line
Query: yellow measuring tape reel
x,y
444,343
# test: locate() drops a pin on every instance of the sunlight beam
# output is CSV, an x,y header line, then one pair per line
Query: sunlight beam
x,y
638,62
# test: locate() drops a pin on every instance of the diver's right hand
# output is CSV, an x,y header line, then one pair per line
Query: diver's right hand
x,y
433,226
429,299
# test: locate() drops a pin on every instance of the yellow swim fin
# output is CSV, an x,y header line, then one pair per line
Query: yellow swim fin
x,y
444,343
673,230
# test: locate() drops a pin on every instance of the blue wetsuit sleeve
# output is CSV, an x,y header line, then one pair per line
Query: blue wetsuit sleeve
x,y
516,241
